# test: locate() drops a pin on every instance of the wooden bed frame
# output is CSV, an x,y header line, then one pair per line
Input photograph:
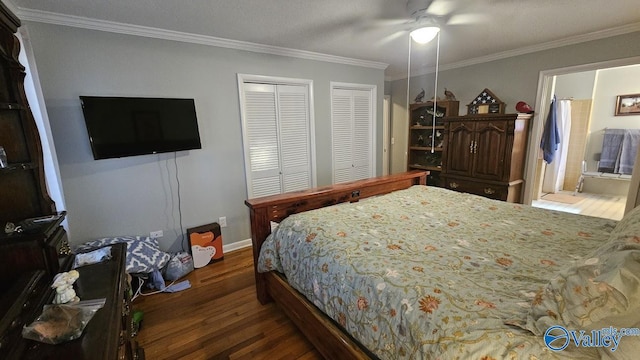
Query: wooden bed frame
x,y
328,338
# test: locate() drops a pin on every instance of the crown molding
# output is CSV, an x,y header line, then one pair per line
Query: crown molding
x,y
572,40
150,32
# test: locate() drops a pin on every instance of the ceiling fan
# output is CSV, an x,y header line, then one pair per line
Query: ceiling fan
x,y
426,17
430,16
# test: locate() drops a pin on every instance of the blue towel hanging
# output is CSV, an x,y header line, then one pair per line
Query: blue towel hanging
x,y
550,136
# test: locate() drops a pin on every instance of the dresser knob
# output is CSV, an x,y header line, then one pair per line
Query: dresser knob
x,y
489,191
453,185
14,323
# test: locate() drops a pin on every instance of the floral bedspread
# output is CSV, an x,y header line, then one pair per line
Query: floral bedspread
x,y
430,273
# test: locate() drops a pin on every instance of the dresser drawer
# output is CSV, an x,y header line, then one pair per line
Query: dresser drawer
x,y
491,191
19,306
43,248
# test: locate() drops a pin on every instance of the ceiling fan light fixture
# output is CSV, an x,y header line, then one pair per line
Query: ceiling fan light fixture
x,y
424,34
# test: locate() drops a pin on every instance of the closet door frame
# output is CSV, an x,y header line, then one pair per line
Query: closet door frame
x,y
275,80
373,90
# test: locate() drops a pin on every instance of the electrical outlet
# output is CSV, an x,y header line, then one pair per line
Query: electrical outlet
x,y
222,221
156,234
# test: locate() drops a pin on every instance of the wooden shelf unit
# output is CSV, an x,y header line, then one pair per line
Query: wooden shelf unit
x,y
423,152
24,190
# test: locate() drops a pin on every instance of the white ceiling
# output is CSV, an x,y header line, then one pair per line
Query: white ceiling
x,y
371,30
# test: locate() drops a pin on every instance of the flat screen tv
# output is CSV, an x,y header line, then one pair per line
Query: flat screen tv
x,y
129,126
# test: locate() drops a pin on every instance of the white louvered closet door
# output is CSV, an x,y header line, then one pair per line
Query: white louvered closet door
x,y
341,127
295,144
362,147
261,140
277,138
352,122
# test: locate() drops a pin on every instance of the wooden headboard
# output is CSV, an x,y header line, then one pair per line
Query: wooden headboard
x,y
275,208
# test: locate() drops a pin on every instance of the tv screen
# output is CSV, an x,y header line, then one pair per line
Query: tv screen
x,y
129,126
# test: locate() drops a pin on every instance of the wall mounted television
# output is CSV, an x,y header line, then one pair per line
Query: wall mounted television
x,y
130,126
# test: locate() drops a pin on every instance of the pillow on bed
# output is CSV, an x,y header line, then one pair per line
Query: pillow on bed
x,y
143,253
599,291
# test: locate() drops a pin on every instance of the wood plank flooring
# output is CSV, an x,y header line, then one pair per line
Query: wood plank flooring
x,y
598,205
219,317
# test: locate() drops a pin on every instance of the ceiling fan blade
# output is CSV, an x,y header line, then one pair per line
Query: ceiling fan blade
x,y
451,12
391,37
386,23
417,8
466,19
441,7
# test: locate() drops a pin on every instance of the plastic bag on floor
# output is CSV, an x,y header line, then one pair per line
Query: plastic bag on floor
x,y
180,265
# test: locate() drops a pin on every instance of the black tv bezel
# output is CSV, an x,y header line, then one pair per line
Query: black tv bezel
x,y
114,151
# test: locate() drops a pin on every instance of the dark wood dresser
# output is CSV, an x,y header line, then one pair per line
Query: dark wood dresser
x,y
43,246
109,334
485,154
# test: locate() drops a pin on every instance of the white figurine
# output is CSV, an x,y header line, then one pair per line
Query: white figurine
x,y
63,283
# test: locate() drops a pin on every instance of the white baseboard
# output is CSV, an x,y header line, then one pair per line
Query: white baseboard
x,y
236,245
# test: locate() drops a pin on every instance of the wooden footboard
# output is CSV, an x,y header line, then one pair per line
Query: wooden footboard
x,y
326,336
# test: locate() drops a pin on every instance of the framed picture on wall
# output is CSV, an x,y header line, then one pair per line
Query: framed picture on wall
x,y
628,105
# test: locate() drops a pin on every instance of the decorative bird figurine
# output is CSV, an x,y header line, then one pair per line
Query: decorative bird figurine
x,y
450,96
419,97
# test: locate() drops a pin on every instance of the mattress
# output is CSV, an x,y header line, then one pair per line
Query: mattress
x,y
427,273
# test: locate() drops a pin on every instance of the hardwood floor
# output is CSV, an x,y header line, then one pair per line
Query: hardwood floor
x,y
219,317
599,205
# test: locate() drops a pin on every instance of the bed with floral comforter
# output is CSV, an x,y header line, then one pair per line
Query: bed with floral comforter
x,y
430,273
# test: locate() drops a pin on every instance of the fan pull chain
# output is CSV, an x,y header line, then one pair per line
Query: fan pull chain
x,y
435,98
408,77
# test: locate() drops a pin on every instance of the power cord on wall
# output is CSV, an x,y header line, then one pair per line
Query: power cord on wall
x,y
182,237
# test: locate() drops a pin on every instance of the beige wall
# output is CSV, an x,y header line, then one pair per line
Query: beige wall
x,y
580,115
